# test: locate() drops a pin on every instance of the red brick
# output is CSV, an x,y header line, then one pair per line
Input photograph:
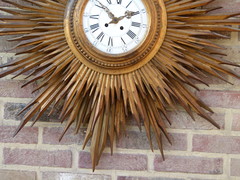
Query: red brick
x,y
230,6
52,135
188,164
130,162
216,144
181,120
236,122
11,111
38,157
11,88
139,140
200,179
17,175
72,176
223,99
235,167
28,135
145,178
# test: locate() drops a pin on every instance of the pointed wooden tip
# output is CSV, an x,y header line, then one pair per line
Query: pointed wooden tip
x,y
62,135
213,9
217,126
152,149
15,134
163,157
17,131
33,123
93,164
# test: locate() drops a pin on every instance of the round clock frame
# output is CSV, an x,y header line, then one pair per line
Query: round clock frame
x,y
108,63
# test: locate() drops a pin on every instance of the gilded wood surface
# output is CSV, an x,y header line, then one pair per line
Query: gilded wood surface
x,y
114,64
104,99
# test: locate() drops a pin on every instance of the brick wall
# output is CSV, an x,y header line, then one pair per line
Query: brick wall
x,y
199,151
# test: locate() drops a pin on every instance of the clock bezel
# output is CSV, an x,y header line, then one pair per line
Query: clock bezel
x,y
111,63
114,56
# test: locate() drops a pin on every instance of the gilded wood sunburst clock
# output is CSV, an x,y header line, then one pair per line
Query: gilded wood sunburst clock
x,y
105,61
115,37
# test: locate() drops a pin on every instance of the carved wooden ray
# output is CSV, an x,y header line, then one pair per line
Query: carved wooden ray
x,y
105,101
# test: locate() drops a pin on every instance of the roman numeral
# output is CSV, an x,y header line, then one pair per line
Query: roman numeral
x,y
129,4
110,41
131,34
109,1
101,36
94,26
136,24
119,1
123,40
94,16
99,6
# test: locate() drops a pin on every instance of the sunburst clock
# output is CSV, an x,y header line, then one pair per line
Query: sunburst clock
x,y
103,61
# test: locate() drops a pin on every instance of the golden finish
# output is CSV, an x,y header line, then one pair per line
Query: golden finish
x,y
114,64
103,91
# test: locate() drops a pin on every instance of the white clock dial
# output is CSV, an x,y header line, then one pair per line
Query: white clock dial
x,y
115,26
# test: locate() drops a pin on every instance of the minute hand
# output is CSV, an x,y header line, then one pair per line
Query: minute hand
x,y
128,14
110,14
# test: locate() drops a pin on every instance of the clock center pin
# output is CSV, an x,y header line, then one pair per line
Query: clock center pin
x,y
119,24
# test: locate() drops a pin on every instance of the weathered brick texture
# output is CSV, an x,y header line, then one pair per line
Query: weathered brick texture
x,y
145,178
32,157
216,144
130,162
235,167
14,89
17,175
200,151
11,111
223,99
52,135
139,140
28,135
236,122
182,120
189,164
74,176
232,6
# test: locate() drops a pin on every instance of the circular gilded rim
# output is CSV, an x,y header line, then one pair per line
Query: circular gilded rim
x,y
115,64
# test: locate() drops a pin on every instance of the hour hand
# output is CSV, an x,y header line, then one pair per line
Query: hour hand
x,y
115,20
129,14
110,14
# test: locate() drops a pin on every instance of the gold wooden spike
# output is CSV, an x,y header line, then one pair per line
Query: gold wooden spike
x,y
103,94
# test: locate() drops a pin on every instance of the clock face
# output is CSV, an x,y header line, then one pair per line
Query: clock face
x,y
115,26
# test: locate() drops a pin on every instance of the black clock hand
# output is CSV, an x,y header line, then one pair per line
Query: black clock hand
x,y
115,20
128,14
110,14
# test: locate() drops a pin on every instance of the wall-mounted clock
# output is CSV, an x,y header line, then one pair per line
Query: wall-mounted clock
x,y
109,60
115,37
